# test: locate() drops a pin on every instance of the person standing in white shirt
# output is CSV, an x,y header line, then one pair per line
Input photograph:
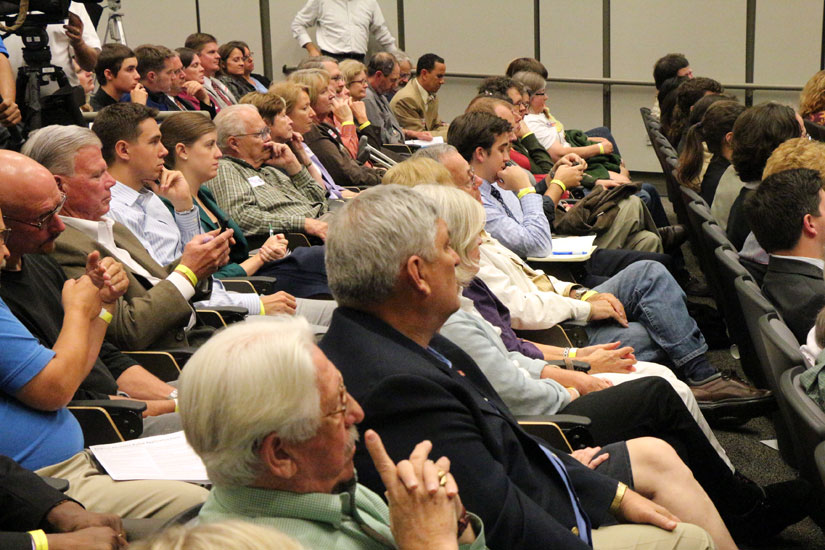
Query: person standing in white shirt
x,y
343,28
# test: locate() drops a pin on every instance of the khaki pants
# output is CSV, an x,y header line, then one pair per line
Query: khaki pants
x,y
633,229
647,537
129,499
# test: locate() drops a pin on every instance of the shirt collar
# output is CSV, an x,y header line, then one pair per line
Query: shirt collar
x,y
318,507
227,158
129,196
425,95
91,229
818,262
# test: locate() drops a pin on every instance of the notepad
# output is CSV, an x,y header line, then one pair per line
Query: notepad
x,y
572,246
161,457
421,143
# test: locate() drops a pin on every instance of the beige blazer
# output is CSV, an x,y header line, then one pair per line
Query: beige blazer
x,y
153,318
412,114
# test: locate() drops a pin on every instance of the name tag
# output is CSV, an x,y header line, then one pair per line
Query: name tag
x,y
256,181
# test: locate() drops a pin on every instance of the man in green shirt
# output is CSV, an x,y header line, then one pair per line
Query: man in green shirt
x,y
272,421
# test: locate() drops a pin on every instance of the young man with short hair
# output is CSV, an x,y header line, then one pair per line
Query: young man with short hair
x,y
206,46
117,73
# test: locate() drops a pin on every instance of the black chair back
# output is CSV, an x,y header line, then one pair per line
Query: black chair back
x,y
808,420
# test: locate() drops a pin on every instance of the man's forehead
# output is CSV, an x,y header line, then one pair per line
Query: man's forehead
x,y
148,129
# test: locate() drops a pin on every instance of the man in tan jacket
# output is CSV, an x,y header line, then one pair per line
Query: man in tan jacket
x,y
416,105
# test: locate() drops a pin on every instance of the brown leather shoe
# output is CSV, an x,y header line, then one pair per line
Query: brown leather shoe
x,y
673,236
727,395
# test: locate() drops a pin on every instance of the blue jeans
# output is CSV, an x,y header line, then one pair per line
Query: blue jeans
x,y
661,330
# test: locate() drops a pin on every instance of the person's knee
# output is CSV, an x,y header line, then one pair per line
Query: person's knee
x,y
653,458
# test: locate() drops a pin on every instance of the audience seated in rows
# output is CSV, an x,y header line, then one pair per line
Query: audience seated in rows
x,y
277,437
191,140
325,140
712,135
155,312
136,203
117,74
756,133
39,432
669,66
206,46
445,395
416,105
250,185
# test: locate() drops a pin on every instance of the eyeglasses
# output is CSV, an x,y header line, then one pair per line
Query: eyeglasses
x,y
263,133
471,181
343,399
358,81
337,77
405,76
45,218
4,235
540,92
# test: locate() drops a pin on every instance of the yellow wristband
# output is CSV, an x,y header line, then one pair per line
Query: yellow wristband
x,y
39,539
560,184
587,295
105,315
617,500
177,407
601,148
526,191
263,309
347,123
573,352
572,389
367,123
189,274
527,134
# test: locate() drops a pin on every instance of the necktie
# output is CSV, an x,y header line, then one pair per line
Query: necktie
x,y
582,521
496,194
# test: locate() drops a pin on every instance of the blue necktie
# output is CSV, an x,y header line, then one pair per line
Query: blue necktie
x,y
497,195
582,521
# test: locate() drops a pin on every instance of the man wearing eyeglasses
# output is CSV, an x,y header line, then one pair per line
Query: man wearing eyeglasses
x,y
260,183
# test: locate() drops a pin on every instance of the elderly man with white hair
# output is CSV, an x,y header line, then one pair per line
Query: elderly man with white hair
x,y
260,183
271,419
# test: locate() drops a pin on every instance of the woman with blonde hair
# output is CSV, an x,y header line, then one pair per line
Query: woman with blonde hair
x,y
355,75
416,171
325,140
812,99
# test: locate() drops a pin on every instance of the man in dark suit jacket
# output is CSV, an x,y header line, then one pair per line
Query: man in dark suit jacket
x,y
787,216
155,309
27,503
413,384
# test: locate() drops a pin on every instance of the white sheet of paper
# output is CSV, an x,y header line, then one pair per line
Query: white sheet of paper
x,y
421,143
772,443
572,246
166,457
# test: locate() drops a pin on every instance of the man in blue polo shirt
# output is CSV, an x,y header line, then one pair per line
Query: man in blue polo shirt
x,y
36,383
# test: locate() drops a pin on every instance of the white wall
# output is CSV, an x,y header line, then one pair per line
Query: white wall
x,y
482,36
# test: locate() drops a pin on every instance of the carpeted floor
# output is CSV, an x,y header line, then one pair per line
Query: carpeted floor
x,y
743,444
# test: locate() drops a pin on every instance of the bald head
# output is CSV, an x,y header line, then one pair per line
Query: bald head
x,y
28,196
23,182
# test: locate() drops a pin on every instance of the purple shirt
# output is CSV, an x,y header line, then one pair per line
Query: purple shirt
x,y
497,314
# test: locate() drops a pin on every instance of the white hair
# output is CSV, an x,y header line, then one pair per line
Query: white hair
x,y
56,147
436,152
229,122
246,382
370,239
465,219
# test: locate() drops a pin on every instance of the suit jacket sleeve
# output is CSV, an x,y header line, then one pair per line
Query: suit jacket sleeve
x,y
510,517
25,499
141,316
